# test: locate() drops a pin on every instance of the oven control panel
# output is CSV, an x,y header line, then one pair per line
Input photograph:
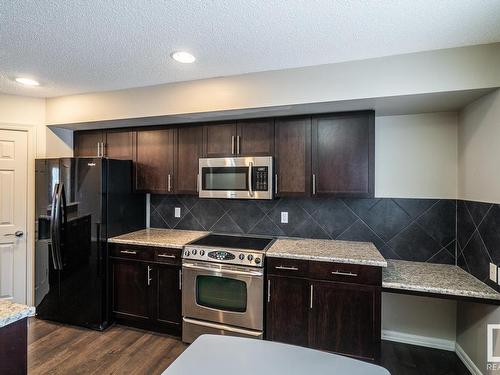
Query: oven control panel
x,y
260,178
239,257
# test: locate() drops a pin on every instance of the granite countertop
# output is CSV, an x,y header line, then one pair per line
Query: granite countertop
x,y
172,238
11,312
328,251
435,278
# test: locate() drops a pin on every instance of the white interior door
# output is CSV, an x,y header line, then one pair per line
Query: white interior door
x,y
13,197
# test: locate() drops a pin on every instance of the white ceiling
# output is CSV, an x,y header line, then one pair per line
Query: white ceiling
x,y
80,46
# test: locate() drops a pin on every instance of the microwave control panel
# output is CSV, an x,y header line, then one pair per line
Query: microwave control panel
x,y
260,177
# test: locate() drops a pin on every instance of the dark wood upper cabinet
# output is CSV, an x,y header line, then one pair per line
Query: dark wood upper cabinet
x,y
293,156
343,154
287,310
255,138
154,160
345,318
119,144
189,150
129,280
168,295
220,140
88,143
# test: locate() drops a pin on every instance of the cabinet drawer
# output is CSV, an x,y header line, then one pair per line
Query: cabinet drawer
x,y
348,273
131,252
287,267
167,255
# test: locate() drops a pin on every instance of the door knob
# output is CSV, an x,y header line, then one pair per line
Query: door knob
x,y
18,233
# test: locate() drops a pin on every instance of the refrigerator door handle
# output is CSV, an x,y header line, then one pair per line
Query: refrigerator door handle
x,y
63,220
53,227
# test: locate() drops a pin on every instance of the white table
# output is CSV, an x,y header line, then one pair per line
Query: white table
x,y
226,355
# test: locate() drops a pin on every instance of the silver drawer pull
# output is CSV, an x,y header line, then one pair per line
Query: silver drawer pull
x,y
286,268
166,256
128,252
344,273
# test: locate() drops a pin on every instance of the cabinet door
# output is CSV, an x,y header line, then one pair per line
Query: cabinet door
x,y
86,143
287,310
255,138
189,148
131,289
119,144
168,295
220,140
293,156
154,161
343,154
345,318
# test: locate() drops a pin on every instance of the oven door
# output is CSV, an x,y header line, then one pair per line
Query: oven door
x,y
231,295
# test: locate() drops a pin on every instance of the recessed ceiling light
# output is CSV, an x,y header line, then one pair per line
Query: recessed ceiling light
x,y
183,57
27,81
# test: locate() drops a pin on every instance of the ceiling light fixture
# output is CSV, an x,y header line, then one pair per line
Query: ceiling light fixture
x,y
183,57
27,81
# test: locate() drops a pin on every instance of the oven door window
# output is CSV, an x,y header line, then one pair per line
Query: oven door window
x,y
221,293
225,178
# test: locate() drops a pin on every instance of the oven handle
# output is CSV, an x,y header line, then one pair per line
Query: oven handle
x,y
227,271
222,327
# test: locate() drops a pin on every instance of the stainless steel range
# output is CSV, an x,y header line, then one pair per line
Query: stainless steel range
x,y
223,286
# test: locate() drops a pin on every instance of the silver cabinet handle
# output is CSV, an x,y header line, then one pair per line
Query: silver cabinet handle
x,y
166,256
169,182
180,279
98,149
314,184
18,234
286,268
128,252
276,183
344,273
311,301
250,168
232,144
198,182
268,290
103,149
149,275
238,145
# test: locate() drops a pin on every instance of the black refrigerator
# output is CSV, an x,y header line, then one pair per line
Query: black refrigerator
x,y
80,203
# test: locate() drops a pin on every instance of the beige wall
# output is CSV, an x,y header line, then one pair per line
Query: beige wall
x,y
479,150
416,156
22,110
424,72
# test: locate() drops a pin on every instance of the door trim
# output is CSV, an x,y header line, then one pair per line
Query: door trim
x,y
30,207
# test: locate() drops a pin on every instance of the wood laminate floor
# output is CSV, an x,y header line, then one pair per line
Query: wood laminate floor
x,y
60,349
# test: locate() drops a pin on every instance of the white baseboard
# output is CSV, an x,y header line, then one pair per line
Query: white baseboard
x,y
471,366
429,342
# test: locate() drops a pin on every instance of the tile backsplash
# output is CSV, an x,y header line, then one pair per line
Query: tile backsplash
x,y
410,229
478,238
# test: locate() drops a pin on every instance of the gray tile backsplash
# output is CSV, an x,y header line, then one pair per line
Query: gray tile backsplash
x,y
410,229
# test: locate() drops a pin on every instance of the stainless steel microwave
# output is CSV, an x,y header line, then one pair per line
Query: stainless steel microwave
x,y
237,178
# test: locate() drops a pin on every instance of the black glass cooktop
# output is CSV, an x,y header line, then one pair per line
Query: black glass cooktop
x,y
233,242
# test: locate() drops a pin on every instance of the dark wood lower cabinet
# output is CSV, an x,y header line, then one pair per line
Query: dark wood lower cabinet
x,y
343,319
14,348
146,293
288,310
337,316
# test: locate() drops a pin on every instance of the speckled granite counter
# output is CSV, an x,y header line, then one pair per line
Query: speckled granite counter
x,y
172,238
328,251
11,312
430,278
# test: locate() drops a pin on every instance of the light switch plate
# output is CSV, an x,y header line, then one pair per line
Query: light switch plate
x,y
493,272
284,217
177,212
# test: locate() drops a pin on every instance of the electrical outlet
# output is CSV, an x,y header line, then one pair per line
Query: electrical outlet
x,y
284,217
493,272
177,212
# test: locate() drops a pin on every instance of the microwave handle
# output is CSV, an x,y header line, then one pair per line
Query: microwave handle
x,y
250,168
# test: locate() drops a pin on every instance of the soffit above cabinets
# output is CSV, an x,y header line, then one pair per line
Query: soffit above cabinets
x,y
451,101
